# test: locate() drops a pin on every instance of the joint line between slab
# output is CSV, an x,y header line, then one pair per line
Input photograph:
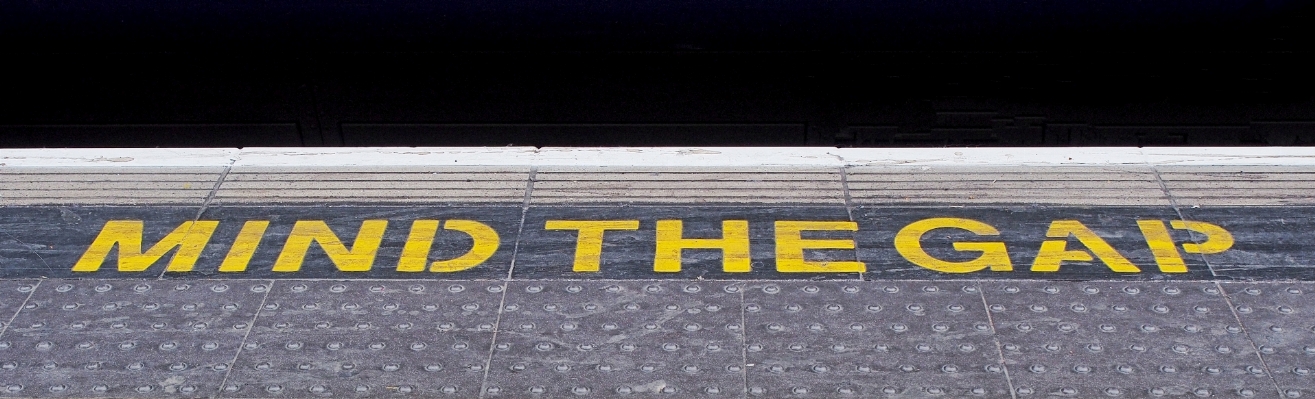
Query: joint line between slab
x,y
744,343
493,341
1009,381
844,188
214,191
520,228
849,210
5,329
1178,210
219,391
1247,333
506,283
205,204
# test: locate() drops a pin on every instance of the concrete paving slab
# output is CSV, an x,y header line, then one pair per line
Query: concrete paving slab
x,y
1278,319
1144,339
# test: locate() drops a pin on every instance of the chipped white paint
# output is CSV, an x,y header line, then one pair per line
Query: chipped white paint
x,y
658,156
691,157
991,156
118,157
1261,156
390,156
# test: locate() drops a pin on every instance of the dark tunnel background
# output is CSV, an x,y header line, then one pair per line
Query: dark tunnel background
x,y
924,73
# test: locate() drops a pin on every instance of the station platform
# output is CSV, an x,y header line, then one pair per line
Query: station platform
x,y
657,272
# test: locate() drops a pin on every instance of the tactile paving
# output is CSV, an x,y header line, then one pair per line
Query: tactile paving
x,y
619,338
368,338
123,338
866,340
12,295
1101,339
611,338
1280,319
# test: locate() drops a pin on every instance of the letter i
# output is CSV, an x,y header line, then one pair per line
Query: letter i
x,y
239,255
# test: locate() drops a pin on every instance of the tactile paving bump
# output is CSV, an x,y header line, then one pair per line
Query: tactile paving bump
x,y
1143,340
86,338
1280,318
870,340
368,339
619,339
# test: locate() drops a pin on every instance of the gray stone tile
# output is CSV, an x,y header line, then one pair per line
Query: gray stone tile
x,y
416,364
141,364
882,339
614,339
137,338
1123,339
130,307
1280,319
355,307
12,295
368,339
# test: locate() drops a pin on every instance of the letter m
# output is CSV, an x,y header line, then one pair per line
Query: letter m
x,y
190,238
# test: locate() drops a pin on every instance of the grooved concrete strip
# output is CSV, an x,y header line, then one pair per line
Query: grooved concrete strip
x,y
427,338
106,186
688,185
401,184
1062,185
556,185
1240,185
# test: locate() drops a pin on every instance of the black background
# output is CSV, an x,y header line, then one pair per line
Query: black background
x,y
643,72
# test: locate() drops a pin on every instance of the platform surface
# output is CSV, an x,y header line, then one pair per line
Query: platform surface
x,y
647,272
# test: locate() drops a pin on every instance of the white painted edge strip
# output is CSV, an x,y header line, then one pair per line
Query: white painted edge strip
x,y
656,156
118,157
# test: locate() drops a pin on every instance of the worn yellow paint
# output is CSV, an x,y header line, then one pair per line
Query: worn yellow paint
x,y
589,240
486,243
790,246
1055,252
357,259
1216,238
248,239
415,254
734,245
995,256
190,238
1162,246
